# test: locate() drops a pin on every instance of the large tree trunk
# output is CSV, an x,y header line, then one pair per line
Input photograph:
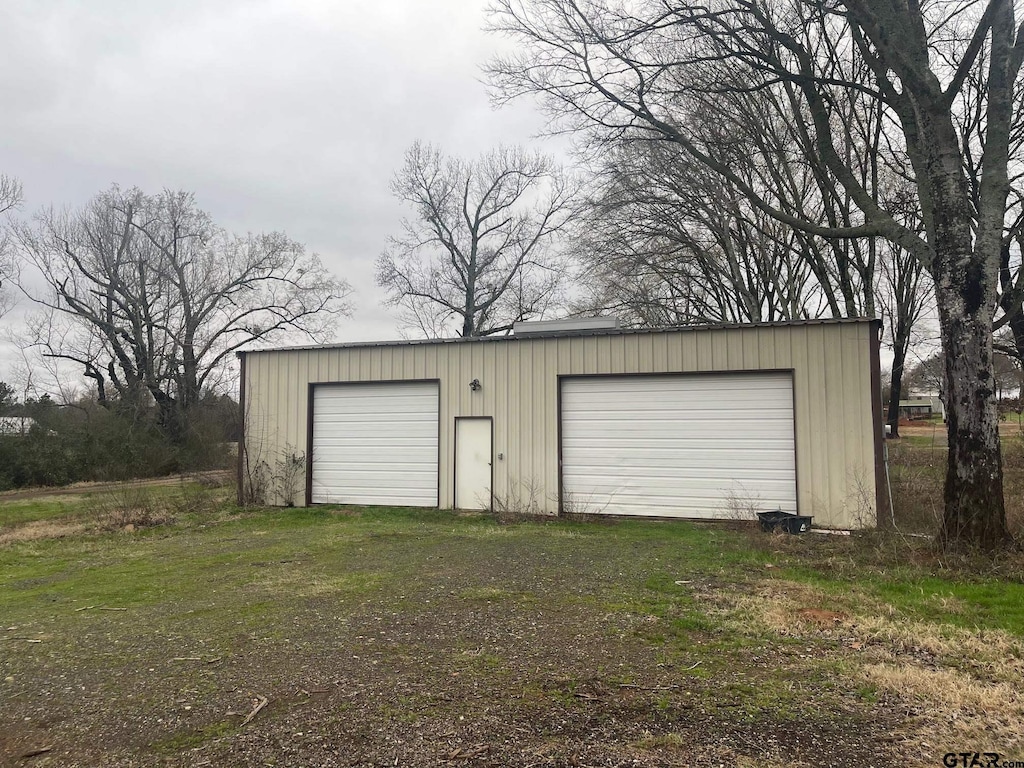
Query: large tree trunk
x,y
974,510
170,417
966,257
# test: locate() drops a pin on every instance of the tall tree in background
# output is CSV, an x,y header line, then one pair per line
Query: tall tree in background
x,y
8,397
10,197
10,193
727,241
905,295
151,298
942,75
903,299
1009,324
668,241
481,249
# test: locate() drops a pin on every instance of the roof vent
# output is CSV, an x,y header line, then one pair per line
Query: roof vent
x,y
569,325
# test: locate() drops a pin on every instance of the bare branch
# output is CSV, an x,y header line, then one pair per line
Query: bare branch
x,y
482,248
156,297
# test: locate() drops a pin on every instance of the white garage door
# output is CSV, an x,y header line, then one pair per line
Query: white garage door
x,y
706,446
375,444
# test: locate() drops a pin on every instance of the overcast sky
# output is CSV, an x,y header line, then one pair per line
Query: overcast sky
x,y
279,114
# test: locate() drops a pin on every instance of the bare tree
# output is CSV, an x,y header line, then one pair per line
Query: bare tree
x,y
1009,323
10,193
942,76
10,198
481,248
666,241
927,374
903,298
150,298
905,295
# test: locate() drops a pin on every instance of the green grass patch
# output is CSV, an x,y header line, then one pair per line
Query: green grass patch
x,y
958,598
21,511
191,739
986,604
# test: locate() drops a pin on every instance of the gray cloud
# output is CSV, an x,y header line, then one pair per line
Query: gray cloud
x,y
281,114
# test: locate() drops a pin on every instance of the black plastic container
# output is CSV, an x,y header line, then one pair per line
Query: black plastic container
x,y
787,521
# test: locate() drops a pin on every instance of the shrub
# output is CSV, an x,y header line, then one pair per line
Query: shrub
x,y
129,506
90,442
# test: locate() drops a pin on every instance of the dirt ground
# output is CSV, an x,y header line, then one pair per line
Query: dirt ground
x,y
339,643
473,684
377,638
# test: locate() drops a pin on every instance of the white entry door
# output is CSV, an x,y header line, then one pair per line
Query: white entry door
x,y
473,463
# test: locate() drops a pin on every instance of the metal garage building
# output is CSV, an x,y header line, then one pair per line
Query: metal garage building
x,y
697,422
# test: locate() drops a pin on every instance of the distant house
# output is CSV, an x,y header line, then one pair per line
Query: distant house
x,y
922,405
918,408
16,426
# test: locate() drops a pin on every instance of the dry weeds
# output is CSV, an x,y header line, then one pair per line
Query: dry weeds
x,y
960,687
40,529
951,707
124,507
129,507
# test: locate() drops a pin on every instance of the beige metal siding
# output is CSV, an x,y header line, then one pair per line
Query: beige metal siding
x,y
519,377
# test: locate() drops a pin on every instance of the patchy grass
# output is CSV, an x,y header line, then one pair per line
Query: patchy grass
x,y
19,512
425,637
181,742
108,507
40,529
907,576
958,687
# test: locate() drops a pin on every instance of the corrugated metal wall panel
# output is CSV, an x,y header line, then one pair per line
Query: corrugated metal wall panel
x,y
834,432
858,494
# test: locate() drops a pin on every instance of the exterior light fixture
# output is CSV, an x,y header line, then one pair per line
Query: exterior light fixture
x,y
475,385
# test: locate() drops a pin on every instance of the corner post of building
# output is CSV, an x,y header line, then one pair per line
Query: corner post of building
x,y
240,479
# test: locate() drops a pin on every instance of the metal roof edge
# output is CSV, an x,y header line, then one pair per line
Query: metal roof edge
x,y
564,334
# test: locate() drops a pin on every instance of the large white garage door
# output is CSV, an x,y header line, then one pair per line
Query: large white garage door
x,y
710,446
375,444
